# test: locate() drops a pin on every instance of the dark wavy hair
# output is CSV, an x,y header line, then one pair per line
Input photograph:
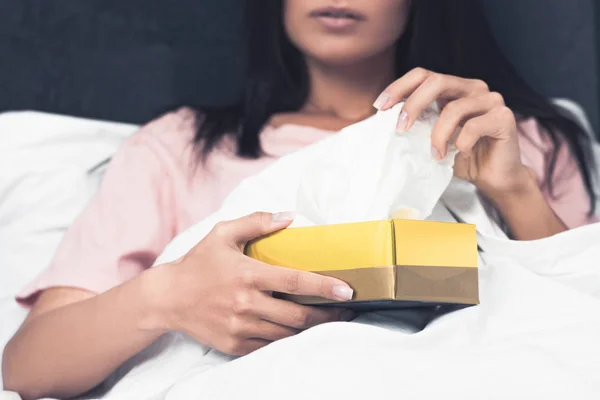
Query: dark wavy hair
x,y
450,37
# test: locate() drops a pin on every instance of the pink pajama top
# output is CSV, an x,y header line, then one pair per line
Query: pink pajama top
x,y
154,188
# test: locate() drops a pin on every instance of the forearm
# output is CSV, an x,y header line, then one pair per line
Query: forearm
x,y
526,212
69,350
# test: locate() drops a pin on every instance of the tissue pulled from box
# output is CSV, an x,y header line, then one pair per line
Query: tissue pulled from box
x,y
375,173
366,172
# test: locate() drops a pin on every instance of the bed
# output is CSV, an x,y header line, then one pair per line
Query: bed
x,y
51,163
55,164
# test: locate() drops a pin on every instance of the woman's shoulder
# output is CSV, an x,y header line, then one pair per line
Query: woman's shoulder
x,y
168,140
532,134
537,148
175,129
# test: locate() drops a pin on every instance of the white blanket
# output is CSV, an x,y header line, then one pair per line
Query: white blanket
x,y
536,333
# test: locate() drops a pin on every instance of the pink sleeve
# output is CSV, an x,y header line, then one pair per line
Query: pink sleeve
x,y
122,230
569,199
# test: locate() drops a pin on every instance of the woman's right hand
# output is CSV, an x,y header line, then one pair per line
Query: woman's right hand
x,y
222,298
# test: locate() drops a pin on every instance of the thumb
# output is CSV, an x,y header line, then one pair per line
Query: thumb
x,y
253,226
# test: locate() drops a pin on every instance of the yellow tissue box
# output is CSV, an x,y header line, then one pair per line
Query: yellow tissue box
x,y
391,263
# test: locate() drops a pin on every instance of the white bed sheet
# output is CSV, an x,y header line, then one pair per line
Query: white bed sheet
x,y
47,176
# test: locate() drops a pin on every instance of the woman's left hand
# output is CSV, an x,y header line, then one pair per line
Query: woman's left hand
x,y
489,154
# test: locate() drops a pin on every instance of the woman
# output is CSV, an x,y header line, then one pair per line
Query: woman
x,y
314,67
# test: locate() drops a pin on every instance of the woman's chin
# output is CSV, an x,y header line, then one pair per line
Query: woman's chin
x,y
340,58
344,54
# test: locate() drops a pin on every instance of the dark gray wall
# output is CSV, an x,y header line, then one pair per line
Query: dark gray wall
x,y
553,45
129,60
125,60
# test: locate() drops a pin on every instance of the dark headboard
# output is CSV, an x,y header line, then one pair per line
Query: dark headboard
x,y
130,60
553,44
124,60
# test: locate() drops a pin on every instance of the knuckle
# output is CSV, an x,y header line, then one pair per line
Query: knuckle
x,y
324,287
505,112
292,282
247,278
462,145
480,85
241,303
507,117
496,98
220,230
436,79
421,72
235,327
303,318
452,111
470,126
233,346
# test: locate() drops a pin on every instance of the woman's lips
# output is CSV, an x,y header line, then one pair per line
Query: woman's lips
x,y
337,19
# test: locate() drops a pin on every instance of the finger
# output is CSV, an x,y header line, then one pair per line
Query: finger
x,y
455,114
244,347
401,88
465,167
240,231
495,124
297,316
267,330
436,87
302,283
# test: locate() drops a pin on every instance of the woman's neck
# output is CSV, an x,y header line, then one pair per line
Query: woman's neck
x,y
348,92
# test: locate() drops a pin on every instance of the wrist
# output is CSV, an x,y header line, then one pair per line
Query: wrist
x,y
522,185
154,287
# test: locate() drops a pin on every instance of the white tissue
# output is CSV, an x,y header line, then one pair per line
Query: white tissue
x,y
375,173
365,172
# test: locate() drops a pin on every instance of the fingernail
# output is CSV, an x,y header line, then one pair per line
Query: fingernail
x,y
402,122
347,315
435,154
343,293
283,217
381,101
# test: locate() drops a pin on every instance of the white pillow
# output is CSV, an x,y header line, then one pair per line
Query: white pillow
x,y
47,176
